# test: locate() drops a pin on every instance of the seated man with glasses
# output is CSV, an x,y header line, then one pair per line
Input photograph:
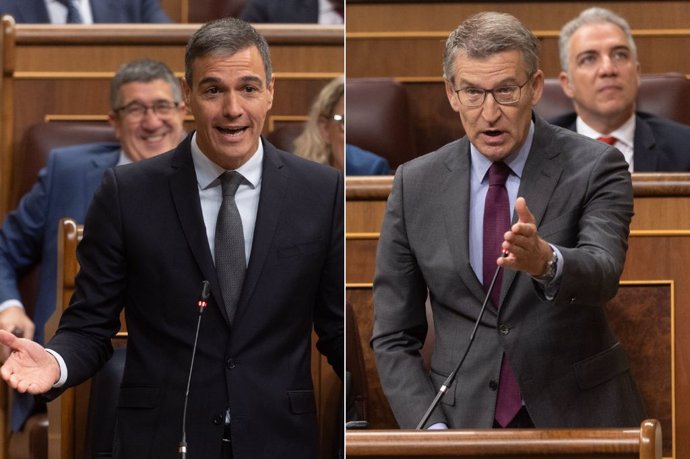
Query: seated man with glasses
x,y
147,115
516,235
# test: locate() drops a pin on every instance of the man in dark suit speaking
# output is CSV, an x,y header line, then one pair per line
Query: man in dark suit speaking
x,y
601,74
264,227
544,354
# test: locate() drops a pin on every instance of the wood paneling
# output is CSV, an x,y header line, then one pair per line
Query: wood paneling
x,y
64,71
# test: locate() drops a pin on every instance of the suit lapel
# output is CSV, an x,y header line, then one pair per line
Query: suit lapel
x,y
33,11
455,196
94,175
644,156
274,187
185,196
539,178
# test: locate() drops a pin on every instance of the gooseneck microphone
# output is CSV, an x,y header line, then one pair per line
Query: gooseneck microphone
x,y
451,377
201,304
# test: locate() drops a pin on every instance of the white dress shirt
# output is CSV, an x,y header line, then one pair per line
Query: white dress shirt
x,y
625,137
57,12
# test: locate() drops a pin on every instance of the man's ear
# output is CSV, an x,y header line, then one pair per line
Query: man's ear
x,y
452,96
565,84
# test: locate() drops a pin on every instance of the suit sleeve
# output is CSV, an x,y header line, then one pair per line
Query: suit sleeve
x,y
93,318
328,317
22,233
400,324
593,267
152,12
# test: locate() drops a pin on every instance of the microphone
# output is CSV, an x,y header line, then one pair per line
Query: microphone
x,y
201,304
451,377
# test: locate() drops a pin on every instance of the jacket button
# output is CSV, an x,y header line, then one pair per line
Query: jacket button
x,y
493,384
218,419
231,363
503,329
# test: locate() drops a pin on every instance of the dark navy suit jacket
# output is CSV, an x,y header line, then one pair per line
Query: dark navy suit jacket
x,y
294,11
145,248
661,145
104,11
29,233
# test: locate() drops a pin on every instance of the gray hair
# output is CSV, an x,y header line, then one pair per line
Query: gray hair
x,y
594,15
143,71
489,33
225,37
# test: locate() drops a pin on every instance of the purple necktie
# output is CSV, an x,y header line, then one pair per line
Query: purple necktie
x,y
496,223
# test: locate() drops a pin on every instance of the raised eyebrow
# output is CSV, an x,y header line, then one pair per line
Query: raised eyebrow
x,y
209,80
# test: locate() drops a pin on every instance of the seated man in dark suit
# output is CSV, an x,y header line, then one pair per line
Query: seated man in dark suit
x,y
147,115
295,11
601,74
83,11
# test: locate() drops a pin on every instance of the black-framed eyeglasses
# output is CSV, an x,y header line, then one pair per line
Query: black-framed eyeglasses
x,y
136,111
503,95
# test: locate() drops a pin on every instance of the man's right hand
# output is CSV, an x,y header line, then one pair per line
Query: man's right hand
x,y
15,321
29,368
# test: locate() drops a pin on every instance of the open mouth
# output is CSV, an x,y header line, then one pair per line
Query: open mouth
x,y
232,131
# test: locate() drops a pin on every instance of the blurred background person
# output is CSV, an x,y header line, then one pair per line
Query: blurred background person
x,y
297,11
147,116
601,74
83,11
323,138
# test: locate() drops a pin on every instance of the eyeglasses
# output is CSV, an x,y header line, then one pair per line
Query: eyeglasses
x,y
340,119
136,111
504,95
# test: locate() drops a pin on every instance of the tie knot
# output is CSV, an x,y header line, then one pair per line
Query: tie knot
x,y
230,181
498,173
607,139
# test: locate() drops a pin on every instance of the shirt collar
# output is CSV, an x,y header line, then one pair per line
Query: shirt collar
x,y
207,172
515,161
624,134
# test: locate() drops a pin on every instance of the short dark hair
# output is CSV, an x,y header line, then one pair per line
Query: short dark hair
x,y
225,36
143,71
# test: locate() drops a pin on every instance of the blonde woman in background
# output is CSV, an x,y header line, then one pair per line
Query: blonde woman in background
x,y
323,138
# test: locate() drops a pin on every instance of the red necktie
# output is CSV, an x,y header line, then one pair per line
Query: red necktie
x,y
496,223
607,139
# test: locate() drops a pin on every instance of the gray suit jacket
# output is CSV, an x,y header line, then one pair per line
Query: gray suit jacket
x,y
571,369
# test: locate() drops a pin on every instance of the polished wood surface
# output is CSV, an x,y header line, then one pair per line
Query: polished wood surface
x,y
639,443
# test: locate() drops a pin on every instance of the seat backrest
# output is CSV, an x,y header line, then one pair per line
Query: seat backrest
x,y
377,118
201,11
284,136
662,94
41,138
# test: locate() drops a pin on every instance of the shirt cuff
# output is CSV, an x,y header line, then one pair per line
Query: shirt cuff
x,y
438,426
63,368
10,304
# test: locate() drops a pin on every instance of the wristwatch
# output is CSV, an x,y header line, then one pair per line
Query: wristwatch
x,y
550,271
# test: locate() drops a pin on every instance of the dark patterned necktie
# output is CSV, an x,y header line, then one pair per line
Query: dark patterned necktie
x,y
496,223
229,244
73,14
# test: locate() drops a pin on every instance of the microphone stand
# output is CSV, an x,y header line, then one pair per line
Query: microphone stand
x,y
205,293
451,377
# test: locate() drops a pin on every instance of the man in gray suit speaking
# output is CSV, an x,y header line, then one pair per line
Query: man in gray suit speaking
x,y
543,354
